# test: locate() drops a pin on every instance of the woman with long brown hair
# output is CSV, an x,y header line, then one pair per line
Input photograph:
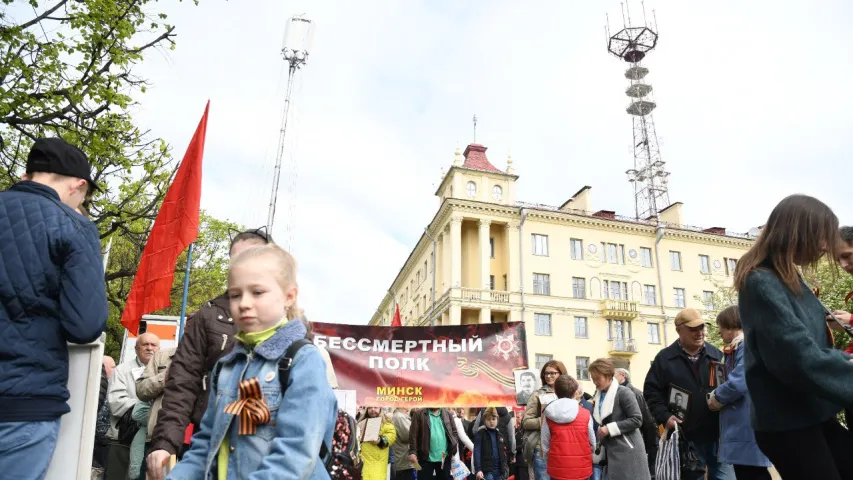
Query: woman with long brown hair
x,y
532,420
797,380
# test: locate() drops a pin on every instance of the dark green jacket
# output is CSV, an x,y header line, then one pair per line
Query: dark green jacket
x,y
795,377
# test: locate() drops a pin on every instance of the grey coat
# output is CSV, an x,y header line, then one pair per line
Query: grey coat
x,y
623,447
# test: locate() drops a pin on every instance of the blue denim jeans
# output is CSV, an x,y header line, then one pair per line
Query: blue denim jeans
x,y
27,448
540,466
708,452
596,472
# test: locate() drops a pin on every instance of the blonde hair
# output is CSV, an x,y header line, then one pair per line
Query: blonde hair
x,y
285,266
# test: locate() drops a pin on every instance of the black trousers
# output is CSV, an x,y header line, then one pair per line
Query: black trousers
x,y
821,451
404,474
118,461
748,472
432,471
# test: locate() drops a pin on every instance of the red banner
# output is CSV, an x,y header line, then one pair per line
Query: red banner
x,y
452,366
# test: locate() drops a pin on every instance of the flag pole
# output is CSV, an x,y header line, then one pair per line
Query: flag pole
x,y
186,293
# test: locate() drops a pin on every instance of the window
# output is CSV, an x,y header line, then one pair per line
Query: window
x,y
614,253
611,253
731,263
646,257
543,323
541,360
708,300
704,264
541,284
506,285
577,249
619,330
471,188
654,333
650,294
491,282
425,269
497,193
581,327
491,248
679,297
675,260
540,245
578,287
582,368
616,290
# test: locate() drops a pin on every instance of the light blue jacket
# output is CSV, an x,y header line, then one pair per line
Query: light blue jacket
x,y
301,421
737,438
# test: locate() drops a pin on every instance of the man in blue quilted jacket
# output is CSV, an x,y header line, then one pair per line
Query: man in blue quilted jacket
x,y
51,292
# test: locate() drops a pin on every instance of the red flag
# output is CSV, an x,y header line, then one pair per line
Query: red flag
x,y
174,229
395,322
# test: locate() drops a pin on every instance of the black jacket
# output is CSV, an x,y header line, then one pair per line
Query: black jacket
x,y
672,367
649,428
483,458
209,335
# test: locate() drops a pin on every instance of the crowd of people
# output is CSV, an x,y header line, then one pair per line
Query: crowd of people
x,y
246,394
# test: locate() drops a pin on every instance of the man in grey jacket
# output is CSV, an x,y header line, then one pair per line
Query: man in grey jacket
x,y
122,398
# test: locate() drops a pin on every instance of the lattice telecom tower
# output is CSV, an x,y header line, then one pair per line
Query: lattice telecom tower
x,y
298,37
649,175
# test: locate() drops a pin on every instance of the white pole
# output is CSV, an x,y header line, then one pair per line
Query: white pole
x,y
107,254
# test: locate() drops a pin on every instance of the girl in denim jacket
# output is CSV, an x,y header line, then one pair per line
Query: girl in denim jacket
x,y
250,430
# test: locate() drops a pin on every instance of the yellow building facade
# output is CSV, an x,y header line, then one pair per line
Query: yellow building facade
x,y
587,283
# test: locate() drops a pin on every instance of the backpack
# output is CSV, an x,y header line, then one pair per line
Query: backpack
x,y
344,460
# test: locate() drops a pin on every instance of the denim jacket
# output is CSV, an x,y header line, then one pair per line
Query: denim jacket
x,y
300,421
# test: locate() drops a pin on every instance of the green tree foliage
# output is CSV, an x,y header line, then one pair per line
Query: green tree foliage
x,y
723,296
832,284
67,69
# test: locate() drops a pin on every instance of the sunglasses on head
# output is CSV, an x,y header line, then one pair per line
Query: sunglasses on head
x,y
260,232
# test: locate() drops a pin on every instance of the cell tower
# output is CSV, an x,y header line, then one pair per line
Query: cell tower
x,y
298,35
649,175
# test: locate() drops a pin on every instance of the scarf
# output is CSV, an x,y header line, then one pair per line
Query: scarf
x,y
731,347
252,339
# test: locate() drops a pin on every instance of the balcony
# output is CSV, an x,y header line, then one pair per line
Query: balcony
x,y
623,347
478,295
619,309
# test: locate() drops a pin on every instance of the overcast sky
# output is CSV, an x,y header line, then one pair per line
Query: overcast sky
x,y
753,104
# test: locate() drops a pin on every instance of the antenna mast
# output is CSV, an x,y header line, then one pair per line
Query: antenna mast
x,y
298,35
649,175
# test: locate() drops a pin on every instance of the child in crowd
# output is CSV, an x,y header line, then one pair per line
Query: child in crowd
x,y
568,437
252,428
490,455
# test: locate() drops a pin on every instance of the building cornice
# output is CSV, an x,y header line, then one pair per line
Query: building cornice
x,y
460,208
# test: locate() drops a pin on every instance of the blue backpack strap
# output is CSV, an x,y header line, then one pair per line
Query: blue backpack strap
x,y
284,375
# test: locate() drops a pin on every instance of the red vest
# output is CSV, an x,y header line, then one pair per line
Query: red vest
x,y
570,455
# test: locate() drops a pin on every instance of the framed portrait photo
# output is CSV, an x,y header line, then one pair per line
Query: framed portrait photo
x,y
679,401
526,382
720,374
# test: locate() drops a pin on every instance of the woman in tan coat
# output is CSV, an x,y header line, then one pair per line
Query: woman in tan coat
x,y
531,422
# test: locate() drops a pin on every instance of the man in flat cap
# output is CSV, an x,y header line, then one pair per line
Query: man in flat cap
x,y
687,364
51,292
